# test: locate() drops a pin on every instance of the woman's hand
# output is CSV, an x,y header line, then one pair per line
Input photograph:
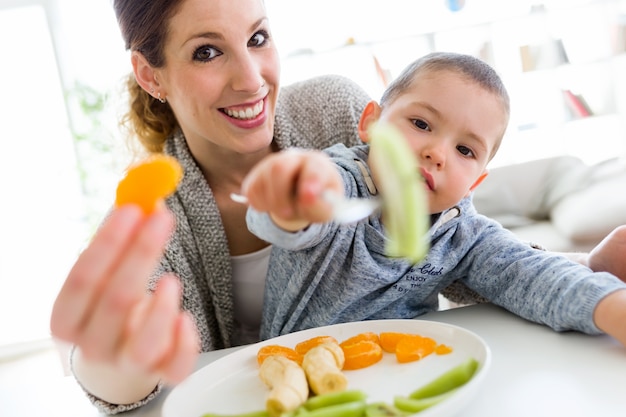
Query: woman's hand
x,y
289,185
104,307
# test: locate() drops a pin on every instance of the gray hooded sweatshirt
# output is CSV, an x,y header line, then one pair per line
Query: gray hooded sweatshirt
x,y
330,273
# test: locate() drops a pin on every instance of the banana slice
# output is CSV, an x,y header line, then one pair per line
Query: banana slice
x,y
405,206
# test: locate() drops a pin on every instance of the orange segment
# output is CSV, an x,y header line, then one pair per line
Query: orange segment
x,y
414,347
306,345
361,354
389,340
443,349
148,182
269,350
370,336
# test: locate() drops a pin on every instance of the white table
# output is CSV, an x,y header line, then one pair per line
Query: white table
x,y
535,372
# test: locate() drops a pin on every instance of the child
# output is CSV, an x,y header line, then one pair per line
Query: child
x,y
453,110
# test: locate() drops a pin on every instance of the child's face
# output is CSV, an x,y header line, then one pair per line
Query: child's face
x,y
453,126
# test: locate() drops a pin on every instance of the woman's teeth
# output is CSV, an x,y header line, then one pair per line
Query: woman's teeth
x,y
249,113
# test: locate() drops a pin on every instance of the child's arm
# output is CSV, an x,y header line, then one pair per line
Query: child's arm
x,y
610,315
289,186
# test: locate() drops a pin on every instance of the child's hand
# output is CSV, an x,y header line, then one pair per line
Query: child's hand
x,y
289,186
608,256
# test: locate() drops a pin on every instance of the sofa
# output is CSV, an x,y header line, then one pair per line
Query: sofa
x,y
559,203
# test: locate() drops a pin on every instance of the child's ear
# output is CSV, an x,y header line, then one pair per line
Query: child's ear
x,y
478,181
370,114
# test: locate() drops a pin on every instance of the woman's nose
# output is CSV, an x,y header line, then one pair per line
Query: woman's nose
x,y
246,74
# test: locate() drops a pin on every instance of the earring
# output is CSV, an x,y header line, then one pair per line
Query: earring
x,y
161,99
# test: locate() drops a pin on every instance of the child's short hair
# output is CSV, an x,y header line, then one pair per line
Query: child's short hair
x,y
470,67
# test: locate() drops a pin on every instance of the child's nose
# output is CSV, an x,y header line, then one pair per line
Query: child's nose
x,y
434,154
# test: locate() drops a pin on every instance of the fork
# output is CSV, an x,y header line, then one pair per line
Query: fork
x,y
345,210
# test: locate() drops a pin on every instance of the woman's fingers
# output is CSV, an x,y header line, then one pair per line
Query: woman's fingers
x,y
73,306
185,352
151,336
124,287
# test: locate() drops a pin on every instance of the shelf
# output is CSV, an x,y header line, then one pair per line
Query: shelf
x,y
541,49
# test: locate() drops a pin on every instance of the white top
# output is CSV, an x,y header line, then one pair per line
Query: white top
x,y
249,273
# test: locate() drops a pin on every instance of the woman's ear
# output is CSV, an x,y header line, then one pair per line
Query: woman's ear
x,y
144,73
370,114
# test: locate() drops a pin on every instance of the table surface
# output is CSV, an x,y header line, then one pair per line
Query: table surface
x,y
535,372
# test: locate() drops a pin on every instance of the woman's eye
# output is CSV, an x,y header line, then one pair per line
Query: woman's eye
x,y
465,151
205,53
260,38
422,125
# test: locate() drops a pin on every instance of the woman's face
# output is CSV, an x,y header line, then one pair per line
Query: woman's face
x,y
221,75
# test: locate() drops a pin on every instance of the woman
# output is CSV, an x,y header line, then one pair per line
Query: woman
x,y
205,89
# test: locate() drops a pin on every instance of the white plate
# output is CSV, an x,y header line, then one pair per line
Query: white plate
x,y
231,384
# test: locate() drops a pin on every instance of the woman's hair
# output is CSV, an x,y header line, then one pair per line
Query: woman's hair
x,y
144,26
472,68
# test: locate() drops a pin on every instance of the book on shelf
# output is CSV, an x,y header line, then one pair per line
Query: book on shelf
x,y
546,55
576,104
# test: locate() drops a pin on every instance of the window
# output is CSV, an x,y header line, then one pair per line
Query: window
x,y
40,215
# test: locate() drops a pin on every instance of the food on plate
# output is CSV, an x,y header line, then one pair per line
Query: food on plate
x,y
269,350
411,405
334,398
315,366
439,388
287,382
449,380
443,349
401,186
414,347
148,182
382,409
361,354
322,365
304,346
369,336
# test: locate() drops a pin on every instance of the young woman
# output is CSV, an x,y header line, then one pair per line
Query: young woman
x,y
205,89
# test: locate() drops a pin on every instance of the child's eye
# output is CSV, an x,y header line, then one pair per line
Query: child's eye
x,y
260,38
205,53
465,151
422,125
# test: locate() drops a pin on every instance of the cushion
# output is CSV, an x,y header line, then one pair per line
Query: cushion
x,y
590,214
520,194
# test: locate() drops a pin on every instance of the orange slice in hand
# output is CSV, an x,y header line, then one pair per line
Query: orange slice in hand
x,y
148,182
303,347
269,350
361,354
